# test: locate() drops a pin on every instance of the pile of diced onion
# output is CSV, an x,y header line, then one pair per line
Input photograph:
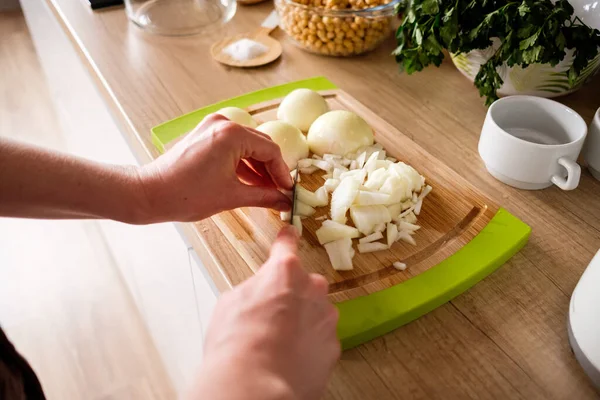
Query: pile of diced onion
x,y
382,196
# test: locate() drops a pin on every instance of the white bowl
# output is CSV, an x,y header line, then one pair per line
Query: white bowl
x,y
541,80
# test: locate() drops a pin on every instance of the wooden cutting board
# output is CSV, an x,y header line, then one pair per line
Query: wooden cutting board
x,y
445,261
452,214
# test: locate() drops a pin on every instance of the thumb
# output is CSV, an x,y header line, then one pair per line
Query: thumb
x,y
256,196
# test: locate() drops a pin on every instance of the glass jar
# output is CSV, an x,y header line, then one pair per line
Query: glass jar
x,y
179,17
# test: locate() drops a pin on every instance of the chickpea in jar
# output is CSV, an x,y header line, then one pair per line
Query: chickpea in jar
x,y
319,27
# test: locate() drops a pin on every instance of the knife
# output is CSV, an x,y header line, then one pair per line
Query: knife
x,y
294,195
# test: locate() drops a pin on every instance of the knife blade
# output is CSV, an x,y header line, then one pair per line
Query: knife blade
x,y
294,195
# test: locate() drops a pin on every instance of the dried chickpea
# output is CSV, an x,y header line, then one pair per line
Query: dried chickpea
x,y
342,36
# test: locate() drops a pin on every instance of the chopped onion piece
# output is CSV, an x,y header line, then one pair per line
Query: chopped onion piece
x,y
395,210
399,266
358,174
402,169
324,165
340,254
293,175
366,217
327,176
377,179
379,227
425,192
353,165
361,159
309,198
371,238
407,204
285,215
331,184
383,164
322,196
407,226
410,218
418,206
297,222
308,171
331,231
305,163
391,234
340,165
381,155
337,172
331,157
302,209
342,198
405,237
371,247
346,162
392,159
365,198
321,218
317,157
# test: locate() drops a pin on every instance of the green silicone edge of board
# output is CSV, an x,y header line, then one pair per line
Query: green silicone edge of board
x,y
170,130
367,317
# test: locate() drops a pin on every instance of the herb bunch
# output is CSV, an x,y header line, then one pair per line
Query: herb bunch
x,y
530,31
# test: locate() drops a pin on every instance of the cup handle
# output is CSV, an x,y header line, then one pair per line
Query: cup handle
x,y
573,175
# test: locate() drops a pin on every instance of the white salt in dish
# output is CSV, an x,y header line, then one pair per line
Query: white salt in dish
x,y
245,49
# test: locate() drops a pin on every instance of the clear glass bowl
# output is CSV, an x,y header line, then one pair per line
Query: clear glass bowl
x,y
341,32
179,17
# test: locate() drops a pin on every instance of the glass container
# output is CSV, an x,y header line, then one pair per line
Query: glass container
x,y
179,17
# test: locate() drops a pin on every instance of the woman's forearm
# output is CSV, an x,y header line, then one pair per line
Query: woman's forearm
x,y
38,183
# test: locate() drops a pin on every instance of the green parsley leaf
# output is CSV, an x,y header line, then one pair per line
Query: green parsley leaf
x,y
529,31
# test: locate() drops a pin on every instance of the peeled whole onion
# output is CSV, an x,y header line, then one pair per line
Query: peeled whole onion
x,y
238,116
290,140
301,108
339,132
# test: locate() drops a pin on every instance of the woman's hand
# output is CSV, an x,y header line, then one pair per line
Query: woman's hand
x,y
273,336
219,166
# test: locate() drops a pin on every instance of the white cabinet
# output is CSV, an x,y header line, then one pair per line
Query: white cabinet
x,y
160,279
206,296
163,275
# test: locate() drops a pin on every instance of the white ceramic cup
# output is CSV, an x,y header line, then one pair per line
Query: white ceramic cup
x,y
591,149
531,143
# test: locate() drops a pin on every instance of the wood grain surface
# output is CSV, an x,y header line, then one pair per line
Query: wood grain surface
x,y
505,337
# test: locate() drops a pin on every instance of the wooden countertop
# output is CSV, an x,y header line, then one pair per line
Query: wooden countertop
x,y
504,338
